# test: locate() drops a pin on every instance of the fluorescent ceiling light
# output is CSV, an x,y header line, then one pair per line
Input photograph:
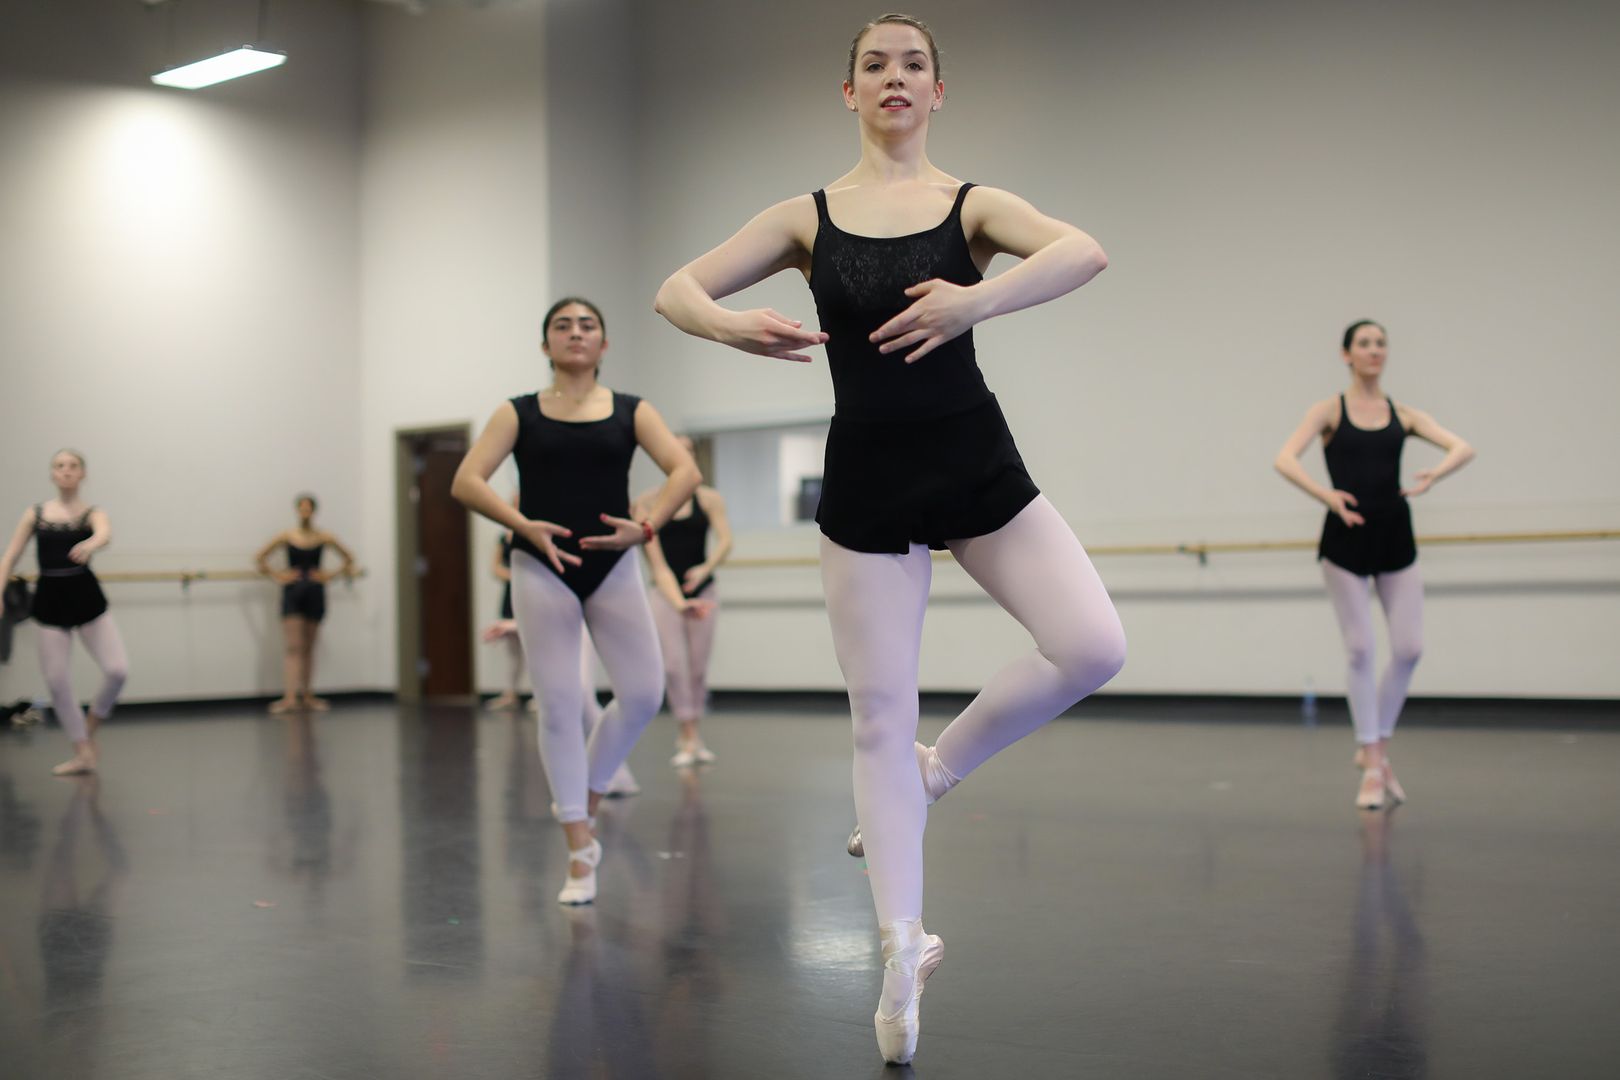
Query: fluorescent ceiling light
x,y
216,69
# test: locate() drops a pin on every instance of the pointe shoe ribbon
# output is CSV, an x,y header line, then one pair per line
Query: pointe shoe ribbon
x,y
582,890
913,955
937,780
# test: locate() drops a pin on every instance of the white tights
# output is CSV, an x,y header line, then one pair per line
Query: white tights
x,y
1374,706
687,643
551,621
1035,568
106,648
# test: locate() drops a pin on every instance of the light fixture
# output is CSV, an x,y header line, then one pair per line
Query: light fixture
x,y
216,69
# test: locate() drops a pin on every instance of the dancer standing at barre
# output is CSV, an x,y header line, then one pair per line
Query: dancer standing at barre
x,y
303,601
918,456
67,600
1367,542
573,443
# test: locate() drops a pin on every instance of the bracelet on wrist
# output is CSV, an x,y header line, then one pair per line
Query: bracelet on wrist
x,y
646,532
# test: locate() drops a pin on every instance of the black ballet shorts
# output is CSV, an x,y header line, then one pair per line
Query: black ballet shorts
x,y
888,484
304,599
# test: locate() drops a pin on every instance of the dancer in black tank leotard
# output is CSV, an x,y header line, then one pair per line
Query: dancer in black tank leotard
x,y
68,600
918,456
1367,540
686,607
573,443
303,601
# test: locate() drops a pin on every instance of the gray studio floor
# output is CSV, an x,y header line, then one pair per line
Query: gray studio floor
x,y
1170,891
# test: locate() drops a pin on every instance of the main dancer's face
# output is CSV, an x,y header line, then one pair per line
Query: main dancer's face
x,y
1367,352
574,339
306,511
67,471
895,87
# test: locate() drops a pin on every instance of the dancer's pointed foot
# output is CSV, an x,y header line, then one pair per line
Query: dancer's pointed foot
x,y
581,885
508,700
1371,794
82,763
316,704
1397,794
910,956
283,705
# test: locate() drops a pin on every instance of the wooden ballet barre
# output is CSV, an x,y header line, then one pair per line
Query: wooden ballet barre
x,y
184,577
1201,551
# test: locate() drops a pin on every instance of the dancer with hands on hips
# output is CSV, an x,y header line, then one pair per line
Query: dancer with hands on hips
x,y
918,456
1367,540
573,443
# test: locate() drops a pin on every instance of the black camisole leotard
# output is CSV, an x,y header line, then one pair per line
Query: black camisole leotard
x,y
1367,464
570,472
306,597
68,593
685,544
916,453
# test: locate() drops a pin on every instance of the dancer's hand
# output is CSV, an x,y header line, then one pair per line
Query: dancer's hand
x,y
81,552
698,609
1425,481
540,533
286,577
499,629
625,534
694,577
1340,502
765,332
942,312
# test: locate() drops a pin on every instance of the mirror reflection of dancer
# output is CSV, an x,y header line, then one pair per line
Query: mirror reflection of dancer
x,y
686,606
918,456
68,599
573,443
1367,541
303,601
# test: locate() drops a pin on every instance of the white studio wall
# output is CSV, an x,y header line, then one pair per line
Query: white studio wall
x,y
1260,177
178,301
453,264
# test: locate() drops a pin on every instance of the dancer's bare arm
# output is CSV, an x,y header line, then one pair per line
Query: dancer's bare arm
x,y
681,478
471,487
19,541
1319,421
1458,451
1057,259
777,239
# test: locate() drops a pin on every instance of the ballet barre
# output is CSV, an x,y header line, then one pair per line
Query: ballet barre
x,y
1203,550
185,577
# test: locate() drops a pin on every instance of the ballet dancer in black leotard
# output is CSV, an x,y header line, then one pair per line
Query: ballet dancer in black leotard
x,y
303,601
918,456
68,599
1367,539
686,607
573,443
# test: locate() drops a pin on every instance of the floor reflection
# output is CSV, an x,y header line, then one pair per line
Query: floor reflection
x,y
1380,1029
76,920
20,827
439,837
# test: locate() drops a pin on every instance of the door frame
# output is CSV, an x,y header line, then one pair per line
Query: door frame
x,y
407,596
